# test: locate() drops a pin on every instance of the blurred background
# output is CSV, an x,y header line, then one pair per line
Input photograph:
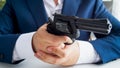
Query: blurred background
x,y
112,5
2,2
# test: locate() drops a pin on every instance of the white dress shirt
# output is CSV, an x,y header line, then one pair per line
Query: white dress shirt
x,y
23,46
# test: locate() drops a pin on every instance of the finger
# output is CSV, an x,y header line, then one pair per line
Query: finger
x,y
57,40
57,51
44,26
65,39
49,58
68,40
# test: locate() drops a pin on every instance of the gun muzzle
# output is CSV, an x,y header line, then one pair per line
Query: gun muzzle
x,y
101,26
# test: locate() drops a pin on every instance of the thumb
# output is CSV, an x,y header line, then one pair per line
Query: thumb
x,y
68,40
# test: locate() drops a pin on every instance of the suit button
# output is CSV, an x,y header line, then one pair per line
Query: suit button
x,y
1,56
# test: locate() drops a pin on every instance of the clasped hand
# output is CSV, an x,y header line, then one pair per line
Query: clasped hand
x,y
51,48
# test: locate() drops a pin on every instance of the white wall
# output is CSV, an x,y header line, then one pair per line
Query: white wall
x,y
116,9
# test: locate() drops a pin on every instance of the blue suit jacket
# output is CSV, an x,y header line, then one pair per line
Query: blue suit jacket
x,y
23,16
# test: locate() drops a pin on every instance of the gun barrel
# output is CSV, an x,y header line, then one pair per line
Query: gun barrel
x,y
70,25
102,26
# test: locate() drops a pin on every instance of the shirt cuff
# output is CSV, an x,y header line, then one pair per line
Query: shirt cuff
x,y
87,53
23,47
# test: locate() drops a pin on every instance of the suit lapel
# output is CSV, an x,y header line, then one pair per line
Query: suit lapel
x,y
70,7
38,11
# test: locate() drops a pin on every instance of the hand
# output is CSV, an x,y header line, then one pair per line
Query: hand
x,y
42,39
61,56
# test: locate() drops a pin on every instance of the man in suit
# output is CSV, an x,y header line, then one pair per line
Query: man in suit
x,y
22,33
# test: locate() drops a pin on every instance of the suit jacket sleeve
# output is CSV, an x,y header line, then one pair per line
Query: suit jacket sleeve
x,y
107,47
8,33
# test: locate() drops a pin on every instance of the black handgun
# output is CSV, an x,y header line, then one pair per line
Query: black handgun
x,y
70,26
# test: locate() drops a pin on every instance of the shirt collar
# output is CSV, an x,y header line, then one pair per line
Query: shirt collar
x,y
59,1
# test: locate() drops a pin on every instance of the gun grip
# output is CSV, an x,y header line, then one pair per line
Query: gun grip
x,y
51,29
62,27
